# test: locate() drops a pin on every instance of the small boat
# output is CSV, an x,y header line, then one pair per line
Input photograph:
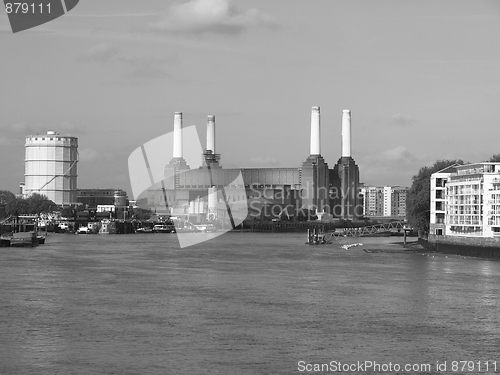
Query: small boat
x,y
208,228
347,247
41,239
83,230
144,230
163,228
22,239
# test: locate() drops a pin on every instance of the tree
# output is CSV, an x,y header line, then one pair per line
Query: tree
x,y
495,158
38,204
34,204
69,211
418,205
9,200
140,214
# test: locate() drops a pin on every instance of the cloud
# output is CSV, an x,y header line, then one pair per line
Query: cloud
x,y
21,127
145,67
67,127
198,17
401,119
102,53
399,154
116,15
86,154
141,67
394,166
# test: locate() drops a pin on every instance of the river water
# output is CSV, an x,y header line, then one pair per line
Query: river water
x,y
243,303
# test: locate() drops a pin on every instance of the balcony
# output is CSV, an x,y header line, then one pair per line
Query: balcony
x,y
439,206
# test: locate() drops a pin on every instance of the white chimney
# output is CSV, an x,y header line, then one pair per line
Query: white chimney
x,y
315,132
346,133
177,135
211,134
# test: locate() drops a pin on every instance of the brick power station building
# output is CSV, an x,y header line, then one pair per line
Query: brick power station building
x,y
312,188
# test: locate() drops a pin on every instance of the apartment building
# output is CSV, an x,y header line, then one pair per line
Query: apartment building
x,y
465,200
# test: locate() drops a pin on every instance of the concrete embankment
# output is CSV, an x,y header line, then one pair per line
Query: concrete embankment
x,y
466,246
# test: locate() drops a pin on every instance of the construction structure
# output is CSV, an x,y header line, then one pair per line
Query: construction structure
x,y
51,167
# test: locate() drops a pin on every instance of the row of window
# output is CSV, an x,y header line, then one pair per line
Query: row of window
x,y
463,189
462,209
465,199
464,219
55,138
466,229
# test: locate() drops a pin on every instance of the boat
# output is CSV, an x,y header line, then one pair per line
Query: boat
x,y
83,230
144,230
347,247
163,228
21,239
208,228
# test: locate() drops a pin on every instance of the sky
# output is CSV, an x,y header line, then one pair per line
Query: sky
x,y
421,79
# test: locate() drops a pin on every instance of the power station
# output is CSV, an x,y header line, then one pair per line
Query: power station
x,y
311,189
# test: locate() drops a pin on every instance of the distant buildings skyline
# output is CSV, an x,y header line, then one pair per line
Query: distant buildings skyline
x,y
51,161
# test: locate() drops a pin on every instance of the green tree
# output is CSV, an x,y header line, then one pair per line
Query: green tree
x,y
418,206
495,158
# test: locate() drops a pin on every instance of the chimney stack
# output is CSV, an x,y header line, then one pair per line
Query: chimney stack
x,y
211,134
177,135
315,132
346,133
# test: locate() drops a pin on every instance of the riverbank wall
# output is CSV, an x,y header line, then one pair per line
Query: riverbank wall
x,y
466,246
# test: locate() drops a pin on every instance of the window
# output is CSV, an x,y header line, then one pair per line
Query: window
x,y
439,232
